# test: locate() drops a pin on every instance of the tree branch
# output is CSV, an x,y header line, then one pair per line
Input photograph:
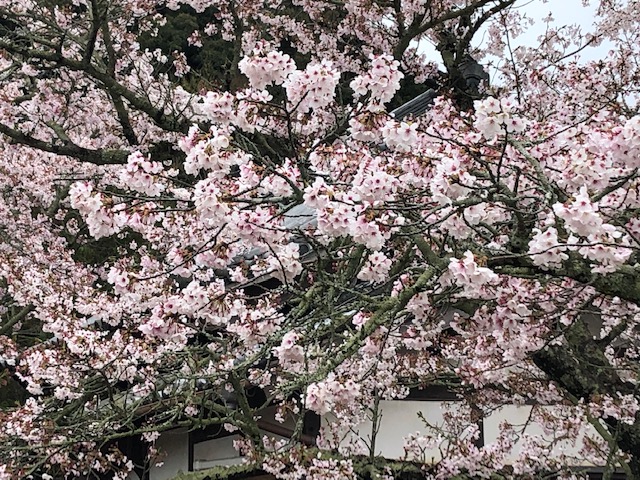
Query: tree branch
x,y
6,328
97,157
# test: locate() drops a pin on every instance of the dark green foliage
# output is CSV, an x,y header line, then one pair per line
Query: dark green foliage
x,y
211,65
11,392
93,252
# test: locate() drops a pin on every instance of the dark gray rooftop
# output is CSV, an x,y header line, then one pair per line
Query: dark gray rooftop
x,y
416,106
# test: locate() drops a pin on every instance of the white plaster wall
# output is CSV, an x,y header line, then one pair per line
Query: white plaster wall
x,y
174,444
217,451
520,417
399,419
220,451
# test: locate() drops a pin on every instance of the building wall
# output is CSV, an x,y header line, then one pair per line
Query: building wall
x,y
175,446
520,417
399,418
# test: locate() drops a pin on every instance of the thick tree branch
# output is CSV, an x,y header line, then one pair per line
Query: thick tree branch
x,y
107,82
6,328
581,368
97,157
419,28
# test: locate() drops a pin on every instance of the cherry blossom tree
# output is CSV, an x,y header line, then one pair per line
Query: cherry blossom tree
x,y
166,250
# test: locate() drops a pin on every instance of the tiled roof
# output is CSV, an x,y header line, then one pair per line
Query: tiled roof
x,y
415,107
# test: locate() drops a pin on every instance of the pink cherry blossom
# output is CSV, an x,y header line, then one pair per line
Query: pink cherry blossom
x,y
201,245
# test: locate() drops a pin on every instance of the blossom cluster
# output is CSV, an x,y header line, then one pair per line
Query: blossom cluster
x,y
545,248
494,117
264,68
312,88
580,216
381,82
290,353
631,145
376,269
331,394
595,240
467,274
400,136
139,175
101,220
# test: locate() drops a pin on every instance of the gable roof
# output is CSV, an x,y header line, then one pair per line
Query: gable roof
x,y
416,106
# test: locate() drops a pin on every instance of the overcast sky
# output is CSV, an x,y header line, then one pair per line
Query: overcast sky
x,y
564,12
